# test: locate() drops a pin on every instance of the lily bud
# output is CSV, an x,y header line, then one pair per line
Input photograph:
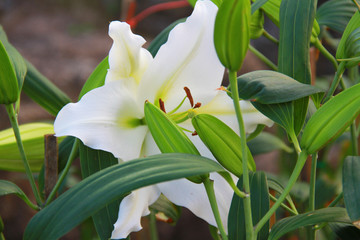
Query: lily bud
x,y
168,135
331,120
223,143
232,32
9,89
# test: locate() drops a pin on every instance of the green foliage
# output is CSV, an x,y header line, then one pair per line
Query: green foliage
x,y
266,142
96,191
331,120
223,143
335,14
7,188
351,26
9,88
288,224
260,204
351,183
32,135
256,24
232,33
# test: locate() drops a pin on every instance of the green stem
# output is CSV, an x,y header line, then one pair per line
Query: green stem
x,y
270,37
295,141
326,53
153,227
71,158
15,126
274,199
312,231
335,83
2,236
357,4
263,58
231,183
209,187
294,176
257,131
312,182
246,184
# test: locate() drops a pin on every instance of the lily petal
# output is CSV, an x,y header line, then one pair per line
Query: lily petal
x,y
106,118
132,208
193,196
127,59
188,59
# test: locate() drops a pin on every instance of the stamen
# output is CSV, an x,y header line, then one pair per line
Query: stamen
x,y
177,108
188,94
197,105
162,105
194,133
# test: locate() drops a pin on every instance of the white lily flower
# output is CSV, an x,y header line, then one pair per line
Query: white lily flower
x,y
111,117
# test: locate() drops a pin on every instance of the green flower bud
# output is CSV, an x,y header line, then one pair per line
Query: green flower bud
x,y
223,143
9,89
168,135
331,120
232,32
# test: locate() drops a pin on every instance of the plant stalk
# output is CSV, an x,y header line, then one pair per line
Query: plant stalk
x,y
270,37
153,228
312,231
246,185
294,176
274,199
209,187
15,125
263,58
71,158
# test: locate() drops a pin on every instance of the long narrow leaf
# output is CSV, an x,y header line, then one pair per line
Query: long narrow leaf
x,y
101,188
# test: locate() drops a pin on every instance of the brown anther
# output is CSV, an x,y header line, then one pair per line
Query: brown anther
x,y
188,94
222,88
162,105
194,133
197,105
253,100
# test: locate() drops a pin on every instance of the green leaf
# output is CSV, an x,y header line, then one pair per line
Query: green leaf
x,y
335,14
32,135
7,188
351,183
289,224
257,4
16,59
266,142
351,26
296,23
345,231
162,37
9,89
272,10
269,87
108,185
97,77
93,161
257,24
331,120
43,92
259,206
352,48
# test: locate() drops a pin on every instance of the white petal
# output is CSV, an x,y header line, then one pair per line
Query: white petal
x,y
105,118
127,59
149,146
187,59
193,196
132,208
253,117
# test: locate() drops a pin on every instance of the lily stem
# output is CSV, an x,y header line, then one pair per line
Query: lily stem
x,y
312,191
15,125
270,37
332,204
338,76
246,184
274,199
209,187
294,176
153,228
262,57
71,158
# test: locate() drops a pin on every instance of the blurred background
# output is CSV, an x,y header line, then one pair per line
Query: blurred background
x,y
65,40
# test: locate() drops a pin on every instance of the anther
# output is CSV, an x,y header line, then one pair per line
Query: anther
x,y
194,133
162,105
197,105
188,94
